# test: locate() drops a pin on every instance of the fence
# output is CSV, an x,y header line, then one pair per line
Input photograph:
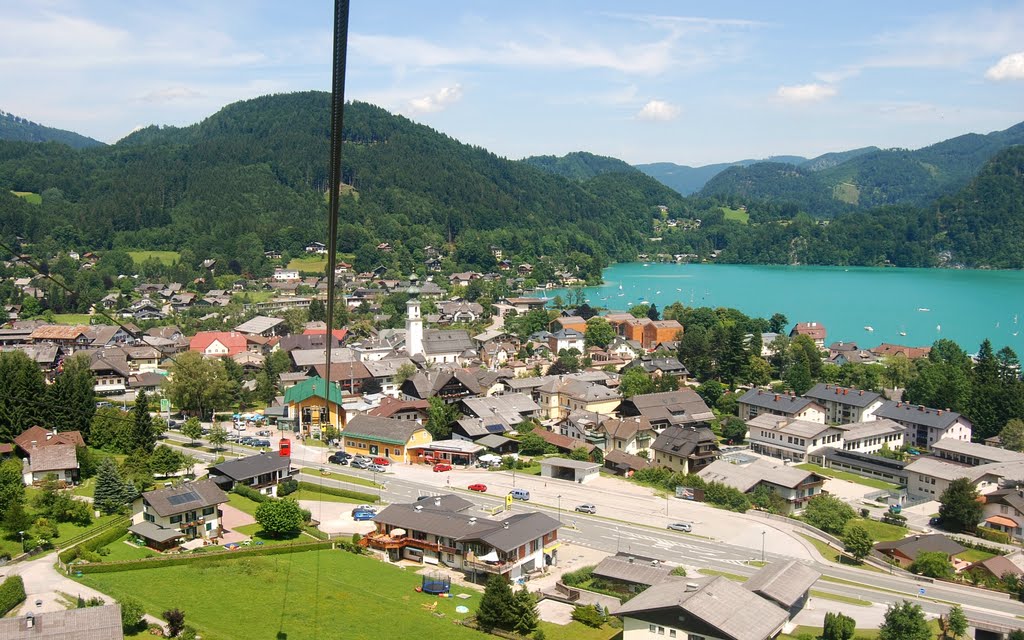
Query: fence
x,y
61,545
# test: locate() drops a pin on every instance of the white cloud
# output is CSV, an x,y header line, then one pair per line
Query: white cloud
x,y
813,92
1010,67
171,94
442,99
659,111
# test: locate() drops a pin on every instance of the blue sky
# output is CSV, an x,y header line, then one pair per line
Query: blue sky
x,y
685,82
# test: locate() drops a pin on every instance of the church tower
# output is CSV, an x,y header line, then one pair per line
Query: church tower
x,y
413,327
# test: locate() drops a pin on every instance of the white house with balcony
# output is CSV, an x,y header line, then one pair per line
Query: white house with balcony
x,y
187,511
790,439
844,405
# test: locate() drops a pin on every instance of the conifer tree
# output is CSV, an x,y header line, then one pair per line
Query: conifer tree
x,y
112,492
496,605
143,436
524,612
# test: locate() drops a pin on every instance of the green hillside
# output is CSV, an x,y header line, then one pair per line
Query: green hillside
x,y
580,165
13,127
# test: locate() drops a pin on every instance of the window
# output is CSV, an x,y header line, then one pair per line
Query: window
x,y
652,628
176,519
208,511
671,633
209,526
661,631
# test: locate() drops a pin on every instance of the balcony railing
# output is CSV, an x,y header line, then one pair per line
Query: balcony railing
x,y
384,541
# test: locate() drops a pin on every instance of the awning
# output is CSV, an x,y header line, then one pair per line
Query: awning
x,y
1003,521
398,533
552,547
492,556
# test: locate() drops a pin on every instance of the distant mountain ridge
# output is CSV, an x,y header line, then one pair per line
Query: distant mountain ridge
x,y
687,180
14,127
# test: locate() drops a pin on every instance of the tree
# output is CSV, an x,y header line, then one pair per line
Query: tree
x,y
404,372
23,388
218,436
135,470
652,312
798,375
165,461
904,621
828,513
599,332
16,519
175,622
777,323
960,509
639,311
280,518
198,385
71,396
579,453
1017,634
532,444
316,311
111,492
440,416
954,624
524,615
142,435
759,372
193,429
733,429
496,605
838,627
933,564
857,542
132,613
12,484
635,381
1012,435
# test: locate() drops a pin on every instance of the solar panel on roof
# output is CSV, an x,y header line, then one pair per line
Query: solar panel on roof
x,y
495,428
190,496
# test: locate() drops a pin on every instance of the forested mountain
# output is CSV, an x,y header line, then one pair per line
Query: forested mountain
x,y
687,180
13,127
253,177
829,160
878,177
580,165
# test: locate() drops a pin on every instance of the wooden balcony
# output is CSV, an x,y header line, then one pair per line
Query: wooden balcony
x,y
384,541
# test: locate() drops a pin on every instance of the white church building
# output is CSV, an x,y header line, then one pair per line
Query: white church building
x,y
436,346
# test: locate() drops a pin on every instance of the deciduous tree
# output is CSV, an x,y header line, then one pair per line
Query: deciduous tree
x,y
904,621
857,542
1012,435
279,518
960,509
933,564
828,513
599,332
838,627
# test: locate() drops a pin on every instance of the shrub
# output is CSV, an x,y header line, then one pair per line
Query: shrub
x,y
993,535
579,576
287,487
175,622
249,492
678,571
357,496
200,557
588,615
92,546
12,594
131,614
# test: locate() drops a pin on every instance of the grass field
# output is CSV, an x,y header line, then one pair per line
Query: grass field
x,y
975,555
72,318
242,503
879,531
303,595
738,215
166,257
844,475
305,494
311,264
834,555
121,550
340,476
29,197
847,192
87,488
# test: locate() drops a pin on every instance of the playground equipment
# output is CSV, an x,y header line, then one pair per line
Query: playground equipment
x,y
436,583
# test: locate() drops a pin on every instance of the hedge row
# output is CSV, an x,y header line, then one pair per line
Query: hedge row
x,y
93,544
12,594
180,559
248,492
358,496
994,535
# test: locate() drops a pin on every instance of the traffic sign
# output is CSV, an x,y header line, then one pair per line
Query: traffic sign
x,y
920,591
165,405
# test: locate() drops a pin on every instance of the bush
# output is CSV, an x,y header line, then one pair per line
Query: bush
x,y
12,594
203,556
249,492
357,496
579,576
131,614
287,487
993,535
93,545
588,615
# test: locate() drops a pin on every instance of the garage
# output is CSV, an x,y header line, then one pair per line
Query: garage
x,y
578,471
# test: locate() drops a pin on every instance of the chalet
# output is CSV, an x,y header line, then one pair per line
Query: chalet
x,y
463,278
565,339
685,449
796,486
624,464
629,573
813,330
262,472
564,444
786,584
844,405
682,407
912,353
512,409
401,409
926,426
558,397
475,429
191,510
110,371
46,356
58,460
1004,511
384,372
660,367
758,401
442,530
520,305
68,338
451,385
316,247
315,406
459,311
216,344
906,550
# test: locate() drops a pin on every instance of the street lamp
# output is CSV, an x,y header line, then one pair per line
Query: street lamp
x,y
762,545
22,534
559,508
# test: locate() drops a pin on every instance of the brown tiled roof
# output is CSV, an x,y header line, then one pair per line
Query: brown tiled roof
x,y
390,406
562,442
43,438
57,332
186,497
54,458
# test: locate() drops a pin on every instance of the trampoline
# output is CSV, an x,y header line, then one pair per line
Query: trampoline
x,y
436,583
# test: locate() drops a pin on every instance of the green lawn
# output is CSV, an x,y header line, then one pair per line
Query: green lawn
x,y
860,634
166,257
340,476
70,530
255,531
845,475
311,264
736,214
831,553
306,494
840,598
879,531
253,296
72,318
577,631
121,550
975,555
300,595
29,197
87,488
242,503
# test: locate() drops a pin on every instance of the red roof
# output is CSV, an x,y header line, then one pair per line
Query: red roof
x,y
814,330
339,334
41,437
390,406
234,342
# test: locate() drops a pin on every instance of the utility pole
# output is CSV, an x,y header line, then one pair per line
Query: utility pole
x,y
763,532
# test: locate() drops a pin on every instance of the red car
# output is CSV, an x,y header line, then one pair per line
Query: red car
x,y
381,461
442,466
482,488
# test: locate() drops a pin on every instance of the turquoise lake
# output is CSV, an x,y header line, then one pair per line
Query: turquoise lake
x,y
926,304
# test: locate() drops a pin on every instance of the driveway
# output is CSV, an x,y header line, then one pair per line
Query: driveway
x,y
336,517
234,518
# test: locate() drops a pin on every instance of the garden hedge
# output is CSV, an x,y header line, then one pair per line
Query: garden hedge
x,y
358,496
994,535
93,544
12,594
248,492
189,558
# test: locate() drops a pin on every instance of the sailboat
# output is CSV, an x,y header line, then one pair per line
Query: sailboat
x,y
869,328
620,287
938,327
923,309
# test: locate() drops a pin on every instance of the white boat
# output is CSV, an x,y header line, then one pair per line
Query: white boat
x,y
620,287
903,333
869,328
938,327
657,293
646,265
923,309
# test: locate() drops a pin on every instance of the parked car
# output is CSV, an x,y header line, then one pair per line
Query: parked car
x,y
685,527
342,454
378,468
265,433
261,443
359,463
442,466
366,507
338,458
360,515
586,507
935,521
172,424
232,438
381,461
482,488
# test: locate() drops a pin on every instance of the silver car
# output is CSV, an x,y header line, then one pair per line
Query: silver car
x,y
586,508
685,527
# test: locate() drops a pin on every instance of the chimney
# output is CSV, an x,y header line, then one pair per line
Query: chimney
x,y
30,620
419,508
630,559
861,393
437,501
504,524
692,586
472,520
939,412
776,397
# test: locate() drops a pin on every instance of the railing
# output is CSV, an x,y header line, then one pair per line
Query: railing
x,y
82,537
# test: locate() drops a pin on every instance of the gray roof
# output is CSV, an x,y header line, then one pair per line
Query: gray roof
x,y
522,528
185,497
747,477
509,407
846,395
436,341
627,569
682,441
976,450
569,464
475,427
882,427
259,324
448,502
738,614
304,358
385,368
251,466
943,469
493,441
676,407
777,402
918,414
381,429
55,457
783,582
913,545
89,623
428,383
153,531
627,460
788,426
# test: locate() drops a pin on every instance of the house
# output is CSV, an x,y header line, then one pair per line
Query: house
x,y
660,367
442,530
785,584
844,405
521,305
685,449
476,428
630,435
813,330
499,444
88,623
384,437
70,339
659,331
929,476
758,401
905,551
627,573
564,444
624,464
216,344
459,311
190,510
463,278
575,323
565,339
37,437
262,326
667,408
925,426
997,567
60,460
794,485
1004,511
709,608
316,247
512,409
384,372
872,436
911,353
401,409
788,439
261,472
315,406
453,451
558,397
110,372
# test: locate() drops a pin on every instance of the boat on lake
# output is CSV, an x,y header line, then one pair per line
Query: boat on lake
x,y
869,328
923,309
